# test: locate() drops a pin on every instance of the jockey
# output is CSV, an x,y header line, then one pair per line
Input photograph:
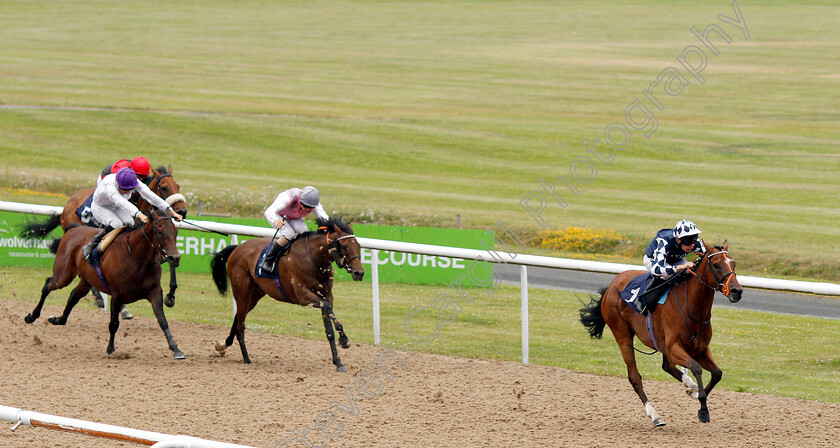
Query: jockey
x,y
111,207
664,256
141,167
286,213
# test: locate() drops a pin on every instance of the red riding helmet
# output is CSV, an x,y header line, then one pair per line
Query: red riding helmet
x,y
141,166
119,164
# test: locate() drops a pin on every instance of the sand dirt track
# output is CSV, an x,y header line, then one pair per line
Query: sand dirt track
x,y
436,401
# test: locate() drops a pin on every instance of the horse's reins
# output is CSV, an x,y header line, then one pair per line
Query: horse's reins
x,y
721,284
158,249
335,251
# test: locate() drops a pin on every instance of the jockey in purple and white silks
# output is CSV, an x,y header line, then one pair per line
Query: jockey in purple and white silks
x,y
286,213
111,207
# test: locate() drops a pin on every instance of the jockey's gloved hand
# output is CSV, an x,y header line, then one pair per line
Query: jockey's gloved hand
x,y
174,214
142,217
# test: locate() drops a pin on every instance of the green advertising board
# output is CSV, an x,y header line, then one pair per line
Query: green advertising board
x,y
197,248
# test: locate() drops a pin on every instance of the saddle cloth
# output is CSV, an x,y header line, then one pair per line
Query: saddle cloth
x,y
630,293
85,214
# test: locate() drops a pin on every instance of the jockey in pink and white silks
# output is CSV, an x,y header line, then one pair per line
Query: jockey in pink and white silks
x,y
111,207
286,213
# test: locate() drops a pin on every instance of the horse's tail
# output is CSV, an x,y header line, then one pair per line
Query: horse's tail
x,y
37,229
54,245
591,317
218,265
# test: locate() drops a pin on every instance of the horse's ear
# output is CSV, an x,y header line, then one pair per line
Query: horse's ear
x,y
156,172
170,168
725,244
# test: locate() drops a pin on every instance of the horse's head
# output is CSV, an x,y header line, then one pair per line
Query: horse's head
x,y
162,234
164,185
344,248
718,265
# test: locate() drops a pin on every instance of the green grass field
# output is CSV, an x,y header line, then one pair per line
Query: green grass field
x,y
758,352
415,112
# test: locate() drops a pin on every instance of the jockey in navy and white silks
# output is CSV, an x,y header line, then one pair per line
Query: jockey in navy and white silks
x,y
286,213
664,255
111,207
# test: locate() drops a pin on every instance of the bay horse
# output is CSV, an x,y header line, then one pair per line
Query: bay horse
x,y
129,271
682,326
164,185
305,278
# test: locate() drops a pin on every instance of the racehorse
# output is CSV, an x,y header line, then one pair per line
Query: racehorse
x,y
164,185
305,278
681,327
129,271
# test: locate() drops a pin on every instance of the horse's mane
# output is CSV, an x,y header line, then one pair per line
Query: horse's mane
x,y
162,170
335,221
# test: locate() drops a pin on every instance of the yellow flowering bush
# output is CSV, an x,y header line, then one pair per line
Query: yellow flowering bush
x,y
577,239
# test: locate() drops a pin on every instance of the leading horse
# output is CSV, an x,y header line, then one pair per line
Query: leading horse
x,y
129,271
164,185
305,278
681,327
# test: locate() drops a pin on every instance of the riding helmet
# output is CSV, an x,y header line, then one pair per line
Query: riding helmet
x,y
141,166
309,197
686,228
126,179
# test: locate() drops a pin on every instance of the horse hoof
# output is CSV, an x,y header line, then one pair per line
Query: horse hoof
x,y
179,355
344,344
99,302
703,415
55,320
221,347
658,422
126,314
28,318
341,369
693,393
169,300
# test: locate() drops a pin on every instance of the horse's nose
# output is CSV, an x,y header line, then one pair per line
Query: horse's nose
x,y
358,275
183,213
174,259
735,295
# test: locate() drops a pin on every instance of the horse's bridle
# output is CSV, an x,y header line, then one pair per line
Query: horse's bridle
x,y
337,253
172,198
159,247
723,283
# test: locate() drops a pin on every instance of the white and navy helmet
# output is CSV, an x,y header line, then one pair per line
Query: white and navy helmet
x,y
686,228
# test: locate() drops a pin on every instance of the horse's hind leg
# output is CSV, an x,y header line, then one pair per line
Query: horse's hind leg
x,y
45,291
624,337
156,297
78,292
98,301
327,315
221,346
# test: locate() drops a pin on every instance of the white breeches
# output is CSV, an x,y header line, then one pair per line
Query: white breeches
x,y
115,217
292,228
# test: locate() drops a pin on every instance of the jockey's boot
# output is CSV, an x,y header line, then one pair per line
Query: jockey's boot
x,y
86,251
270,258
649,299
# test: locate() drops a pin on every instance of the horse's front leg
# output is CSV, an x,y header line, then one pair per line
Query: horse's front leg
x,y
114,325
681,374
707,362
169,300
156,298
677,355
328,316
